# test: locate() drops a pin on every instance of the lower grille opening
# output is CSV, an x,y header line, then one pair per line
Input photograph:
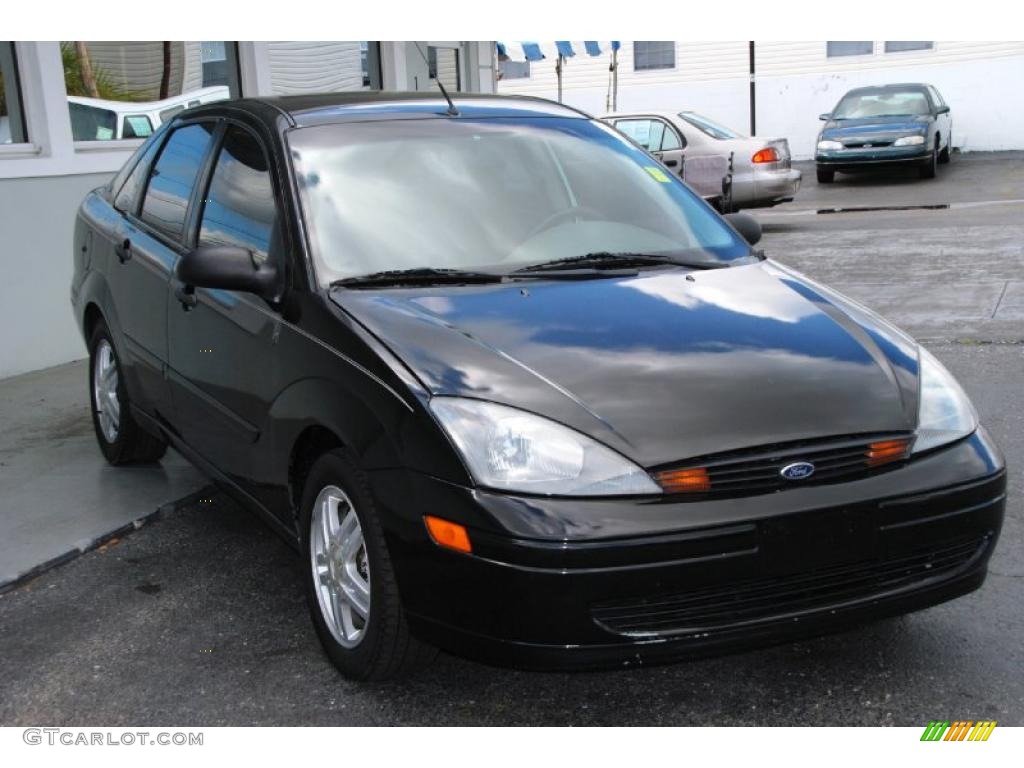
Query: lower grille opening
x,y
719,607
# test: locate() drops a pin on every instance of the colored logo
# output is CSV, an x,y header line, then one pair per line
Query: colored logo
x,y
798,470
960,730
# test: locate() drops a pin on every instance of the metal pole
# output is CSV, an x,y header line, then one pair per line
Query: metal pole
x,y
753,93
558,72
615,80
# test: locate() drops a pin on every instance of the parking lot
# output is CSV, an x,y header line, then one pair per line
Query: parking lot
x,y
199,617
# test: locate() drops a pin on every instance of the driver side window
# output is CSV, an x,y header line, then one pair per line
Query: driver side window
x,y
239,208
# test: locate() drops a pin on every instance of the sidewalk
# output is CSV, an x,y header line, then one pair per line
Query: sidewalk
x,y
58,496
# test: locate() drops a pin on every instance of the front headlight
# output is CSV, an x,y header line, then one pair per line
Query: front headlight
x,y
945,413
828,144
513,450
908,141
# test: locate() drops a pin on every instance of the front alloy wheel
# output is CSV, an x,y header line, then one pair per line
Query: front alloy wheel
x,y
349,579
341,569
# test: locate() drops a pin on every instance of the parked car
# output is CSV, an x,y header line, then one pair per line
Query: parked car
x,y
105,120
907,124
512,390
761,173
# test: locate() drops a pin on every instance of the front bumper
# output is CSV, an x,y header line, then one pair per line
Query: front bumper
x,y
872,157
556,583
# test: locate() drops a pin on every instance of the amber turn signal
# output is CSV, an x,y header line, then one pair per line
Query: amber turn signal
x,y
447,534
885,451
693,480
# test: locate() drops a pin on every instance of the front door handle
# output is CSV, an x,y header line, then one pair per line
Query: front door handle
x,y
186,294
124,250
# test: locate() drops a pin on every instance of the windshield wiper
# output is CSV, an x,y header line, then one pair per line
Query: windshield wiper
x,y
609,260
417,276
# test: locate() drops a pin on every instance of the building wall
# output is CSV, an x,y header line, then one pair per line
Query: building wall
x,y
37,217
796,82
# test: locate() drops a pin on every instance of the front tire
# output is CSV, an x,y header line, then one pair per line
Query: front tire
x,y
350,583
121,439
825,176
931,167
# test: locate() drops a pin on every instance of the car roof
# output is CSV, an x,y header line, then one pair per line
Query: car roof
x,y
889,86
360,106
666,113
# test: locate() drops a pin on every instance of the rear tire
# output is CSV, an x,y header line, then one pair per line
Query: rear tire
x,y
826,176
946,154
120,437
350,583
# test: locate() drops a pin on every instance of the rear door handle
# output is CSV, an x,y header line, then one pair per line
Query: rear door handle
x,y
186,295
124,250
671,163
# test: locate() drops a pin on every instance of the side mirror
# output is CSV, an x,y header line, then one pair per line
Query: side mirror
x,y
825,116
229,267
746,225
943,110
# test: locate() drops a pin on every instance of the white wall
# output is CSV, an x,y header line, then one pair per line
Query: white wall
x,y
796,82
37,217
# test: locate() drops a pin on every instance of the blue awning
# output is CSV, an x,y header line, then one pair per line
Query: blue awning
x,y
531,51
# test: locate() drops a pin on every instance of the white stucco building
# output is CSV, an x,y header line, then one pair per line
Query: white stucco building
x,y
794,83
53,153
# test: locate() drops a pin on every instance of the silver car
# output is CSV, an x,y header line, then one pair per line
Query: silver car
x,y
761,172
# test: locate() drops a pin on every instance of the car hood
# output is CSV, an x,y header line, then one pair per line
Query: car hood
x,y
662,366
868,128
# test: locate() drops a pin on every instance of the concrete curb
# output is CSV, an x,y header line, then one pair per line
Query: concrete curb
x,y
8,584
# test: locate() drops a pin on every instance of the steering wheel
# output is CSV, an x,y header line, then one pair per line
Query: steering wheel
x,y
558,217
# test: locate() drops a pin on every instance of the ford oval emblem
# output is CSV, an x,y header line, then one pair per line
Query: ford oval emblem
x,y
798,470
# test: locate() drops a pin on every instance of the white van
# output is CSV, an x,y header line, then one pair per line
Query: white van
x,y
104,120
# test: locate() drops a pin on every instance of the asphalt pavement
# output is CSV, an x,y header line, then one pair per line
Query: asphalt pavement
x,y
198,618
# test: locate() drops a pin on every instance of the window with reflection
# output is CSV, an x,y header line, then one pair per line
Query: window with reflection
x,y
309,66
12,123
239,206
173,177
126,90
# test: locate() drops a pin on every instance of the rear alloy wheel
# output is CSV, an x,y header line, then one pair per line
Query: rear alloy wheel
x,y
826,176
121,439
350,583
931,166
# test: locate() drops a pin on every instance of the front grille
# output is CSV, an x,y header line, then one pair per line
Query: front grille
x,y
758,600
867,144
759,470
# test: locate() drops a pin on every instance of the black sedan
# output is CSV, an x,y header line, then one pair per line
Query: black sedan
x,y
511,389
885,126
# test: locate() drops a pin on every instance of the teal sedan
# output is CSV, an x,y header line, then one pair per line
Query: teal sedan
x,y
882,126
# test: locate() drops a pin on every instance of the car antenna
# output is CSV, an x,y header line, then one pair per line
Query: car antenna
x,y
451,104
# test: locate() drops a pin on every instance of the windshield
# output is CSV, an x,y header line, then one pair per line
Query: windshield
x,y
882,103
492,194
710,127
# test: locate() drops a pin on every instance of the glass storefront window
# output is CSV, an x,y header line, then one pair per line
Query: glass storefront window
x,y
304,66
126,90
12,124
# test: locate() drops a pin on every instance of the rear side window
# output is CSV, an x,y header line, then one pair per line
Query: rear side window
x,y
130,187
173,177
239,206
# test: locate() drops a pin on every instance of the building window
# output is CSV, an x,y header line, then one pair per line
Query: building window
x,y
304,66
908,45
125,90
443,65
654,55
513,70
849,48
12,122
